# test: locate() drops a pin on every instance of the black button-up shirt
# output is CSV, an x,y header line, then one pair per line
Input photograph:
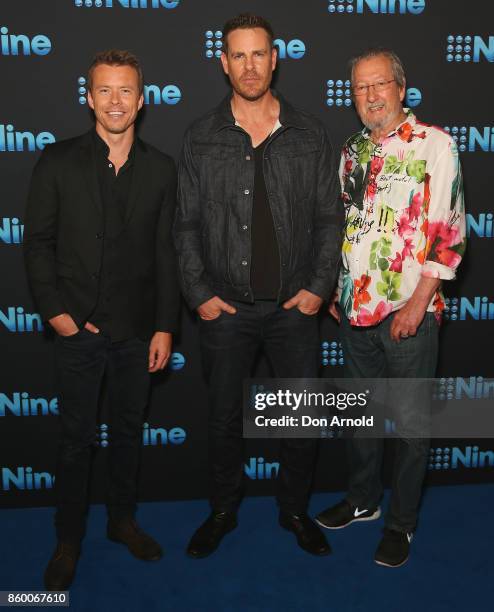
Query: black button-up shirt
x,y
111,314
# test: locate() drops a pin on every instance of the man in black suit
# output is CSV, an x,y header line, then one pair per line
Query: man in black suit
x,y
102,270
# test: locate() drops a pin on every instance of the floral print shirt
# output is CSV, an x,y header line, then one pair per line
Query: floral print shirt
x,y
405,218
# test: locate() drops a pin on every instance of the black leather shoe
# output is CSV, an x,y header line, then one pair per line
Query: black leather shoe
x,y
139,543
309,536
60,570
209,535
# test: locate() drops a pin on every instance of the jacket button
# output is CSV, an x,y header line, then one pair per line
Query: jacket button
x,y
245,227
246,294
94,276
247,157
244,262
246,191
99,236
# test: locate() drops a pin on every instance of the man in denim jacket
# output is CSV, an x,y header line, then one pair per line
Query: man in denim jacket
x,y
258,234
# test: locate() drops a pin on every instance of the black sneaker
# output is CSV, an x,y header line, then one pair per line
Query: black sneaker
x,y
393,549
344,514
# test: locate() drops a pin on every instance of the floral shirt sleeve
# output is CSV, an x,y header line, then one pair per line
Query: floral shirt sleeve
x,y
405,218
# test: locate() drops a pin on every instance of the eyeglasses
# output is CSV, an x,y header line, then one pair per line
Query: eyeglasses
x,y
361,90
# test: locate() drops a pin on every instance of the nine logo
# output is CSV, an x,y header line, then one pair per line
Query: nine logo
x,y
177,362
293,49
16,320
133,4
482,226
469,49
332,354
20,44
11,140
151,436
153,94
339,94
459,309
21,404
23,478
11,230
474,387
470,138
258,469
414,7
455,457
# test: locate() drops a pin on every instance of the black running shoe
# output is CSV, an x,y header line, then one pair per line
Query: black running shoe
x,y
393,549
344,514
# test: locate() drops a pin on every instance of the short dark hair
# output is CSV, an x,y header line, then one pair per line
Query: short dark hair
x,y
246,21
115,57
396,63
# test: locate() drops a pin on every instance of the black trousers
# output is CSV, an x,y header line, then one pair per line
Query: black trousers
x,y
82,361
229,345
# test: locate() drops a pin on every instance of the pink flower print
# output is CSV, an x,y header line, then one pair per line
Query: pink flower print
x,y
396,263
407,249
415,206
366,318
404,226
376,166
440,237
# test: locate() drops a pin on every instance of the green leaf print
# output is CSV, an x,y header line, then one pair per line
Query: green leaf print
x,y
417,169
347,295
389,286
383,264
365,149
380,249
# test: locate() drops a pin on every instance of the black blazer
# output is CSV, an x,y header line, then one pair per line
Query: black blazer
x,y
63,235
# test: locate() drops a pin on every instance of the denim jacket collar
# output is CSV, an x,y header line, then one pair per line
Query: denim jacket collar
x,y
224,118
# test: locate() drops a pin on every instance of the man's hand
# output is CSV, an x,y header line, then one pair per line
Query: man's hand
x,y
213,308
308,303
92,328
406,321
64,325
333,311
160,349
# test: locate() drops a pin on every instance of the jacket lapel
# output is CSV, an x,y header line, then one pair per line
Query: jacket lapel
x,y
88,165
139,175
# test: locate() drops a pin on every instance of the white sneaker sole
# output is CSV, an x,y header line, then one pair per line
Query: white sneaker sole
x,y
388,565
372,517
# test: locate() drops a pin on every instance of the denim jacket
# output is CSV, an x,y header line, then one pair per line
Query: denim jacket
x,y
212,228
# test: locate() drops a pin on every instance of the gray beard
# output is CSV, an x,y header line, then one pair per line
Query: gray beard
x,y
381,123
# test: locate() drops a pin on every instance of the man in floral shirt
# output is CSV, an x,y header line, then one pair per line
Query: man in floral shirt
x,y
404,235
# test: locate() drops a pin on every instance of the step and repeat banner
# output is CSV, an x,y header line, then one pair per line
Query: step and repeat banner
x,y
447,47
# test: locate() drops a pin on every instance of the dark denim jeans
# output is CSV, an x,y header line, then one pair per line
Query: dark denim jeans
x,y
371,353
229,346
82,361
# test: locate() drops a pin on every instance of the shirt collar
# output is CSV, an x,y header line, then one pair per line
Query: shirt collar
x,y
289,117
104,149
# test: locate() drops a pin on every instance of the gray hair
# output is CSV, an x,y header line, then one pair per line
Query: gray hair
x,y
396,64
